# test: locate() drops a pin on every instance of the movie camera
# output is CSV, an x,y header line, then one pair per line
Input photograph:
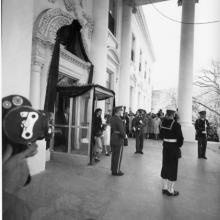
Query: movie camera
x,y
22,124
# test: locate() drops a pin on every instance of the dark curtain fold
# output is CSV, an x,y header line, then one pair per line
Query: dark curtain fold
x,y
91,74
52,79
73,91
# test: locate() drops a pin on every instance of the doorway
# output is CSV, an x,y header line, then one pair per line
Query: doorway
x,y
71,121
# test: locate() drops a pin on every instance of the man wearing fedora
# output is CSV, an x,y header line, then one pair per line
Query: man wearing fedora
x,y
202,127
117,141
172,136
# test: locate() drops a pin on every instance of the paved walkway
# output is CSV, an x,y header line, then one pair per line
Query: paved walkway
x,y
63,192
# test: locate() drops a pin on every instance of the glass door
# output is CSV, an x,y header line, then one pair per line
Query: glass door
x,y
72,124
62,115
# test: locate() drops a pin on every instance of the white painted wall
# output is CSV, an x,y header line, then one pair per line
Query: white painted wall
x,y
142,85
16,46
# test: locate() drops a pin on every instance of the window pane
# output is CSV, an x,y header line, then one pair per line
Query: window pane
x,y
61,139
112,16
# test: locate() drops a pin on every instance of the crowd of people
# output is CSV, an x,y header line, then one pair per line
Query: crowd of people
x,y
147,125
141,125
151,122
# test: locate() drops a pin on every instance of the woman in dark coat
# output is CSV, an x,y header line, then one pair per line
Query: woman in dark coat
x,y
97,129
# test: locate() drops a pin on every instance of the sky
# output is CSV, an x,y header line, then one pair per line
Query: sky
x,y
165,36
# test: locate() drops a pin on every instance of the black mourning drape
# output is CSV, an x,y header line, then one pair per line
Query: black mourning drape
x,y
70,37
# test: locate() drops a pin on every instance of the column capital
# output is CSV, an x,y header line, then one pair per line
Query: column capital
x,y
180,2
37,63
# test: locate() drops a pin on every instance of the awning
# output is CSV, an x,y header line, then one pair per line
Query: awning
x,y
101,93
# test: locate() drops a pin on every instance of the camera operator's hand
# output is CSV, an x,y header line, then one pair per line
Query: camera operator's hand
x,y
15,169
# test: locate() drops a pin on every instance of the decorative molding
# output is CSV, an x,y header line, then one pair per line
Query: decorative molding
x,y
113,38
84,19
50,20
69,4
38,47
38,54
113,55
74,59
37,62
37,66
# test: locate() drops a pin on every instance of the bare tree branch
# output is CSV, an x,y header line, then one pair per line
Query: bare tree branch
x,y
210,109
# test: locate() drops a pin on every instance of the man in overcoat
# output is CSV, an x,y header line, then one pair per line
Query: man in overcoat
x,y
117,141
172,136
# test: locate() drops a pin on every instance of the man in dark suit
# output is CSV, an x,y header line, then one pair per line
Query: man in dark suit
x,y
171,134
138,126
117,141
202,126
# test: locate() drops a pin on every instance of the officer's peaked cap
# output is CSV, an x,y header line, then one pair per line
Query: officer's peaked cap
x,y
118,108
170,111
202,112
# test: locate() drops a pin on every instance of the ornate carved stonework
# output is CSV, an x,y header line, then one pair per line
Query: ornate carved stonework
x,y
69,4
85,20
37,63
50,20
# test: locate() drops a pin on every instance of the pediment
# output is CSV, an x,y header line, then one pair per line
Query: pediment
x,y
114,55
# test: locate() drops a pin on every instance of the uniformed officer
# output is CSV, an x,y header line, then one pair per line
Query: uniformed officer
x,y
171,134
202,126
117,141
138,127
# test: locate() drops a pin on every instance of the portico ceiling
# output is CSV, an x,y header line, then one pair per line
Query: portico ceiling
x,y
144,2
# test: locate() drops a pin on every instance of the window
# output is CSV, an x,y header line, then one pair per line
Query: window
x,y
109,85
149,77
140,61
112,16
133,48
145,70
131,97
139,99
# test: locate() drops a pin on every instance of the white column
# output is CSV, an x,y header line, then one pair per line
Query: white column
x,y
186,70
99,41
35,85
124,81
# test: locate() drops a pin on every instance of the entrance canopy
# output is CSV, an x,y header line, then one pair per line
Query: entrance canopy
x,y
93,93
100,92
